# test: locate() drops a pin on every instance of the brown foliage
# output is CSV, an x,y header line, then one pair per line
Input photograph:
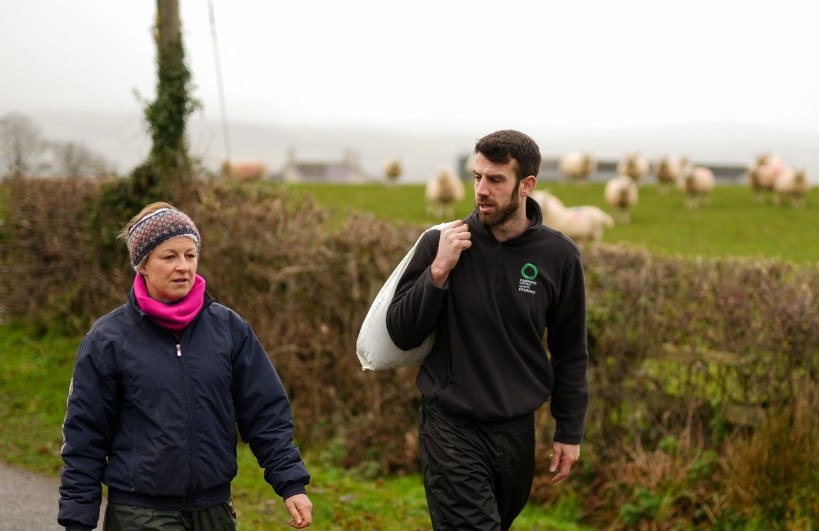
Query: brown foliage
x,y
762,312
667,487
47,273
305,290
775,471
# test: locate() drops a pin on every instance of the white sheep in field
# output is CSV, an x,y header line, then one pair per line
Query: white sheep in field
x,y
697,182
392,169
634,165
667,171
792,184
622,195
248,170
444,189
763,173
577,166
469,164
580,223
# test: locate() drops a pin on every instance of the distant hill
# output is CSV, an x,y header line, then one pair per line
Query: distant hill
x,y
122,140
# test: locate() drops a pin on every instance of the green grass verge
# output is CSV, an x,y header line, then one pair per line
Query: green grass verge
x,y
34,379
346,500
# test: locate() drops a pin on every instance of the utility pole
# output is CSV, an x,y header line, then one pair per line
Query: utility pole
x,y
166,174
167,115
168,23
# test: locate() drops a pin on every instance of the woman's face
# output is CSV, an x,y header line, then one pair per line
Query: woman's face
x,y
170,269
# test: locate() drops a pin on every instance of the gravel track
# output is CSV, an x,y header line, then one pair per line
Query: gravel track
x,y
28,501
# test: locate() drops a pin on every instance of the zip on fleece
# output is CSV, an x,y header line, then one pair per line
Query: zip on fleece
x,y
499,269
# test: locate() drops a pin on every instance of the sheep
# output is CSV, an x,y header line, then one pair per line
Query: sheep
x,y
250,170
697,182
634,165
580,223
469,164
392,169
621,194
762,175
667,171
443,190
577,166
793,184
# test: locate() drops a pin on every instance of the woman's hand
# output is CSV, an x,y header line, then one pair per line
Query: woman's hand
x,y
301,510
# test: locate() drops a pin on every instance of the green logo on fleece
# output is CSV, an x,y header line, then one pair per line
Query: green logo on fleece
x,y
529,271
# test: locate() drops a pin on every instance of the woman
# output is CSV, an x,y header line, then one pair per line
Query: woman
x,y
159,386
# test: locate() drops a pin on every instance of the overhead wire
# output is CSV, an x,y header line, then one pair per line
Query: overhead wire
x,y
218,65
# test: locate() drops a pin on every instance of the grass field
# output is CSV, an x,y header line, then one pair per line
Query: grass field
x,y
732,224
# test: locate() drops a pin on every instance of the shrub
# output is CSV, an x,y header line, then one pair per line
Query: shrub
x,y
46,264
668,487
664,330
305,289
773,473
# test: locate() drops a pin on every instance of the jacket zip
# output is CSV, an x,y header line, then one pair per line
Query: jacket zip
x,y
191,433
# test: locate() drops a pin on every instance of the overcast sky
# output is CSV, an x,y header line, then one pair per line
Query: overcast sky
x,y
471,64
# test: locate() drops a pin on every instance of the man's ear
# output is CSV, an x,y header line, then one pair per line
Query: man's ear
x,y
527,185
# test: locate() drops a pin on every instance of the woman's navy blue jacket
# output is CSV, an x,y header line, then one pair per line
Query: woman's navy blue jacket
x,y
154,416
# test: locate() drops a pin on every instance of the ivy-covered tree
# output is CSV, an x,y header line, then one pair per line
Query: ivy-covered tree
x,y
167,173
167,115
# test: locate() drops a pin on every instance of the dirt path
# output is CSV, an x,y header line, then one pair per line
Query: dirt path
x,y
28,501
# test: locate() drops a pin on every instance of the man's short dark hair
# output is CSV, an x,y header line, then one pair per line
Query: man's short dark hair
x,y
502,146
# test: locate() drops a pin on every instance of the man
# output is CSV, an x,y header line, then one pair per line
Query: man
x,y
491,286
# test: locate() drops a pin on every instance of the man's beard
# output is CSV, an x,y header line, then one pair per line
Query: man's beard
x,y
501,214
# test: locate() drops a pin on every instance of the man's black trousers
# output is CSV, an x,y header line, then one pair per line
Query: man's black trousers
x,y
477,475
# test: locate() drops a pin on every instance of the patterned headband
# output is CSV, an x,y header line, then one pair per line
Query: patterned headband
x,y
155,228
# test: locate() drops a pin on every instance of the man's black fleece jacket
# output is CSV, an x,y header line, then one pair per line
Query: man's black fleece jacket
x,y
488,361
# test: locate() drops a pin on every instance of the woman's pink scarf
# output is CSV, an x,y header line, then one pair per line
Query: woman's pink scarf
x,y
174,316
